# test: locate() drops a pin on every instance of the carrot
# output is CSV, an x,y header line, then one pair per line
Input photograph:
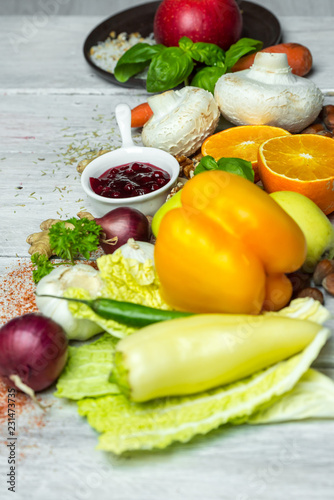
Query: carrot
x,y
299,58
141,114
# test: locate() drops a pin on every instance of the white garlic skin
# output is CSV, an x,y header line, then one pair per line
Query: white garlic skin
x,y
56,283
269,94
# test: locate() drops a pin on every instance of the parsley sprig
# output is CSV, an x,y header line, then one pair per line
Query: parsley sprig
x,y
68,243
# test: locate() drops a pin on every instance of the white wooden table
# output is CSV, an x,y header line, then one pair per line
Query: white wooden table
x,y
51,104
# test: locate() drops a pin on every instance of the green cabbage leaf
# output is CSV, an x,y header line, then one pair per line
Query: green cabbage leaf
x,y
87,370
312,397
124,279
286,391
125,425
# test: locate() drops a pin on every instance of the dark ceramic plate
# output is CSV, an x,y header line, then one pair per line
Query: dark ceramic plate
x,y
258,23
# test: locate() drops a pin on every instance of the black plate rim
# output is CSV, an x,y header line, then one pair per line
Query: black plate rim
x,y
137,83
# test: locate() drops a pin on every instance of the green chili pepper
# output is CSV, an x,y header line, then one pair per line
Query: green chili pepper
x,y
128,313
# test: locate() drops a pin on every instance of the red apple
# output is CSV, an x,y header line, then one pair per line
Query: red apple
x,y
212,21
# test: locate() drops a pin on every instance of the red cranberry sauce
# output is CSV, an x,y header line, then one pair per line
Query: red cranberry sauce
x,y
131,179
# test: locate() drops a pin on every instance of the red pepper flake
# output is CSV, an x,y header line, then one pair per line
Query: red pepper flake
x,y
22,401
17,292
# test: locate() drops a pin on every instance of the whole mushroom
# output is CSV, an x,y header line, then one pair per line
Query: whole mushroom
x,y
181,120
268,94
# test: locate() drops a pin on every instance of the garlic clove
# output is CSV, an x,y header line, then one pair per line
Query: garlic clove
x,y
55,283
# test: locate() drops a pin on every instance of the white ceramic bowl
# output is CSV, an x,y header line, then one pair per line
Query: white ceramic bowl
x,y
149,203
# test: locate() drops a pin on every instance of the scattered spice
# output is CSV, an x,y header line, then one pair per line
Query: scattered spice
x,y
17,292
22,401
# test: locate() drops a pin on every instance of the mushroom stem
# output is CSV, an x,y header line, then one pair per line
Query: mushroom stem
x,y
272,69
163,104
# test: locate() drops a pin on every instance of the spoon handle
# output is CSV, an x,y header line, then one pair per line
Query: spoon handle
x,y
123,118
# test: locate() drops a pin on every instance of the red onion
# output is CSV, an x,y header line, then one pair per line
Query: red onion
x,y
121,224
34,348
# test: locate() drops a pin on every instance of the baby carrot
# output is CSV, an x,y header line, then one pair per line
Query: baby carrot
x,y
141,114
299,58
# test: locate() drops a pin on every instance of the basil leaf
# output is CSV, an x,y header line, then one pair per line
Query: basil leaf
x,y
185,43
135,60
206,163
168,69
208,53
235,166
206,78
242,47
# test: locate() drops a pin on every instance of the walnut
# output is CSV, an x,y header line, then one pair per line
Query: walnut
x,y
175,189
83,163
188,165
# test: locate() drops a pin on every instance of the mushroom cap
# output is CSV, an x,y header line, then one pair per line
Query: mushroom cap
x,y
260,97
193,116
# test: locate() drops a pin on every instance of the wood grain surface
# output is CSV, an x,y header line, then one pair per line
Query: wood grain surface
x,y
109,7
54,111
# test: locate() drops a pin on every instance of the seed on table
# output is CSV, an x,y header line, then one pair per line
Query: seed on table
x,y
299,281
323,268
315,128
312,292
328,283
327,115
325,133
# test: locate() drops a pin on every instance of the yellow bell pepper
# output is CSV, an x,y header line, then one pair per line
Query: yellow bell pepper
x,y
227,248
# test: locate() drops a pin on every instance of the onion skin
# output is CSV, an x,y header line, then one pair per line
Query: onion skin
x,y
121,224
34,348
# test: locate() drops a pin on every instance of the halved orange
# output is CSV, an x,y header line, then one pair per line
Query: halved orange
x,y
303,163
240,142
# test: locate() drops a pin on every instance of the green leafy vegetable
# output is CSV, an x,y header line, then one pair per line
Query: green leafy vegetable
x,y
87,370
128,426
206,78
135,60
241,48
233,165
171,66
169,69
255,400
124,280
208,53
68,242
42,265
312,397
185,43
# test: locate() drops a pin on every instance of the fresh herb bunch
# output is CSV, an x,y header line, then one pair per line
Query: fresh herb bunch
x,y
67,243
171,66
233,165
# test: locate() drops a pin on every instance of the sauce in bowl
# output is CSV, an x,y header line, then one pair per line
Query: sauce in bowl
x,y
129,180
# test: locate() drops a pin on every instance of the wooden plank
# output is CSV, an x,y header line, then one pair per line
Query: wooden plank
x,y
57,459
107,8
60,67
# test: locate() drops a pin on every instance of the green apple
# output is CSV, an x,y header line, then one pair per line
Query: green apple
x,y
173,202
317,228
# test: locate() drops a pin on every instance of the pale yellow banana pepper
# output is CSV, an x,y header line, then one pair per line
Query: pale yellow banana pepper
x,y
193,354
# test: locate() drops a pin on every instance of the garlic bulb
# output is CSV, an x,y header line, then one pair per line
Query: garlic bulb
x,y
55,283
268,94
181,120
138,250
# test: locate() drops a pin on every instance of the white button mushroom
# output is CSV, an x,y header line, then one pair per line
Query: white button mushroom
x,y
268,94
181,120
